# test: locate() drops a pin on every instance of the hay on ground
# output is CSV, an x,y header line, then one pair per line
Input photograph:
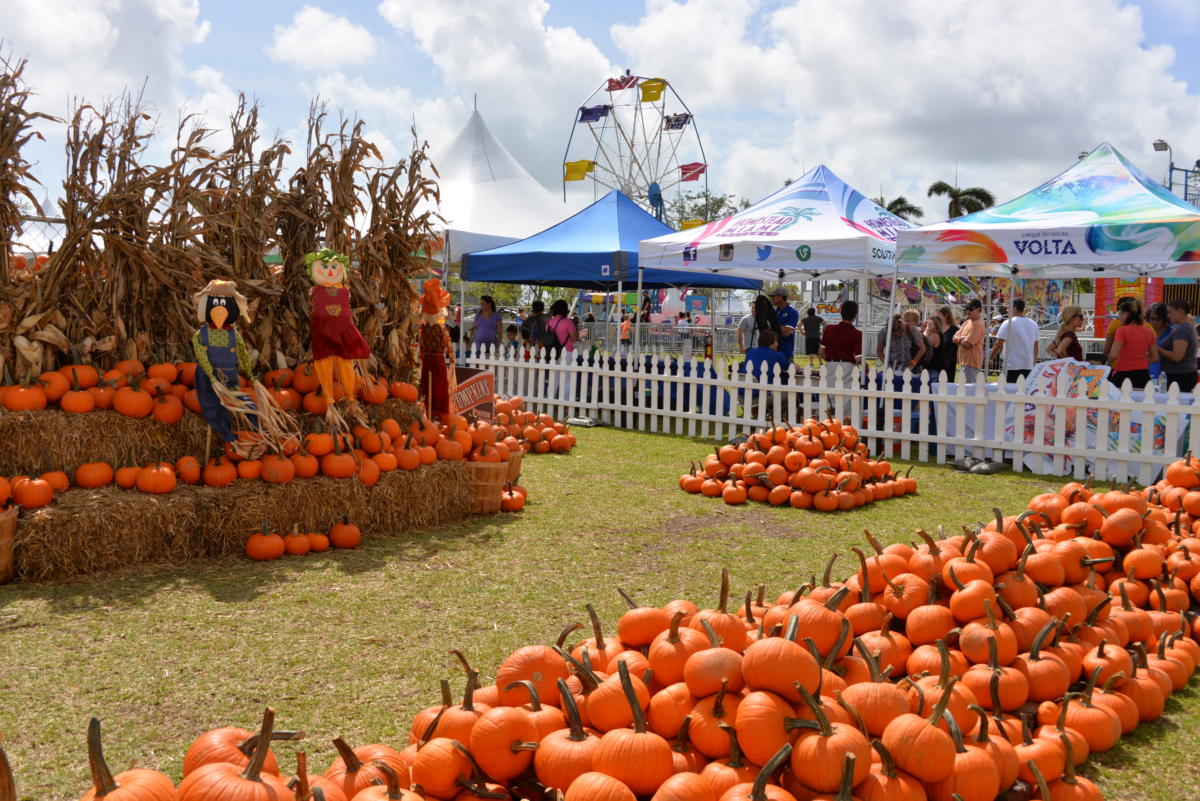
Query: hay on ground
x,y
86,532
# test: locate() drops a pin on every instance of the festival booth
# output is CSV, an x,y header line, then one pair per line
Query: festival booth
x,y
486,197
1102,217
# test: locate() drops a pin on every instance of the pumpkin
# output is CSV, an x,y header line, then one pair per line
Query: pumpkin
x,y
231,782
565,755
24,398
345,534
438,767
157,479
232,744
354,769
318,543
502,742
597,786
265,545
390,790
918,746
219,472
133,401
32,493
132,785
760,789
94,474
295,543
638,758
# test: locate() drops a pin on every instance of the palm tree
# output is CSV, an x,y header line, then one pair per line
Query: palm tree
x,y
963,201
901,207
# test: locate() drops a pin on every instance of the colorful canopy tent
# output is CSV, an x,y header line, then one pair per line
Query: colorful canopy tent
x,y
594,249
487,197
1101,217
815,227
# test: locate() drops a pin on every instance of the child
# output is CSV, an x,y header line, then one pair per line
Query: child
x,y
511,346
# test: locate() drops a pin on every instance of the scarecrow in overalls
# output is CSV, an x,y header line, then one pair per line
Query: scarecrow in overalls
x,y
336,342
222,360
436,380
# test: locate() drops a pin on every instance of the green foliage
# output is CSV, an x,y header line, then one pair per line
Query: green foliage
x,y
703,206
902,207
962,201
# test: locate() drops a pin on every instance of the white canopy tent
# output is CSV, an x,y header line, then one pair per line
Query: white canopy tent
x,y
487,198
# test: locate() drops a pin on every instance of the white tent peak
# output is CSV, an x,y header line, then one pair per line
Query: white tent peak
x,y
487,198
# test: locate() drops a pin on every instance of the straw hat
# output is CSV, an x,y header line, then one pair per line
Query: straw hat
x,y
220,289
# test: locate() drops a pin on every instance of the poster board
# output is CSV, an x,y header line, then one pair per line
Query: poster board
x,y
474,394
1110,290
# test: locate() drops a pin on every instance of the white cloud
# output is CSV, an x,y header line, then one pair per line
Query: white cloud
x,y
529,77
902,93
319,41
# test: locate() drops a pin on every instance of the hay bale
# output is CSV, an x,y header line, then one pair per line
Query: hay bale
x,y
54,440
86,532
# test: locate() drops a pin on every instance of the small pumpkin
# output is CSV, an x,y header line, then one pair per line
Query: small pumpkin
x,y
345,534
132,785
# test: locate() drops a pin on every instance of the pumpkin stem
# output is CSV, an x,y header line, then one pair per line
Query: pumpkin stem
x,y
1035,649
102,778
635,706
819,714
1114,678
874,543
843,634
586,674
930,542
982,735
597,633
447,701
718,708
955,732
847,785
1069,768
1125,604
247,746
749,609
1025,554
683,741
887,764
427,735
993,662
1043,788
828,570
574,724
1003,604
958,585
939,709
301,788
762,592
836,599
628,600
724,601
391,779
793,628
865,594
255,766
855,715
758,792
735,751
869,658
799,593
468,702
713,639
351,760
535,703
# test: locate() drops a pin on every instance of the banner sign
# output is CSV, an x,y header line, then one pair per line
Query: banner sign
x,y
473,397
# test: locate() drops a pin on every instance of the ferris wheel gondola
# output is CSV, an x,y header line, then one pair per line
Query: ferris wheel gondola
x,y
636,135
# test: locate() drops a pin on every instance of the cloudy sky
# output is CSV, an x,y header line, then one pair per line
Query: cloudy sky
x,y
892,96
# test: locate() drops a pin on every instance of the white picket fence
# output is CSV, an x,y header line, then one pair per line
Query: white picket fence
x,y
1128,439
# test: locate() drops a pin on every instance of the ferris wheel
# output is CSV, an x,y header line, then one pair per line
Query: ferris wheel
x,y
637,135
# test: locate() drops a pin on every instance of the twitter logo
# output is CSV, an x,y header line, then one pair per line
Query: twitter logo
x,y
764,252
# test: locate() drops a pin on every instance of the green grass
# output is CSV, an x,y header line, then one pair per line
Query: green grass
x,y
353,643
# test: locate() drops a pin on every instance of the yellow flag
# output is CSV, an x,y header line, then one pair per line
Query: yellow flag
x,y
652,89
577,170
686,224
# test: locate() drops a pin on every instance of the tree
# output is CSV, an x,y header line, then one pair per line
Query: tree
x,y
702,206
901,207
963,201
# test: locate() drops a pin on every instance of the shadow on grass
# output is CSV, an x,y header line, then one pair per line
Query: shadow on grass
x,y
1135,748
236,579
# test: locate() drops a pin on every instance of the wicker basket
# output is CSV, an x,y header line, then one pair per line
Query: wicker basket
x,y
8,527
514,466
487,482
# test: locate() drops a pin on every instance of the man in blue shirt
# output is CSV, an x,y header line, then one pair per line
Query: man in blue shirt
x,y
767,356
789,318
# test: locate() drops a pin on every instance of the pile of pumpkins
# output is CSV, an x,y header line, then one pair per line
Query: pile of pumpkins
x,y
533,433
964,667
166,389
265,545
820,465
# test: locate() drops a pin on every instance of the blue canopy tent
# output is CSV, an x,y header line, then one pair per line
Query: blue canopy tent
x,y
596,248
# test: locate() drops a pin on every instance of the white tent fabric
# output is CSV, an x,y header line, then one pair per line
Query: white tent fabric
x,y
487,198
1101,217
815,227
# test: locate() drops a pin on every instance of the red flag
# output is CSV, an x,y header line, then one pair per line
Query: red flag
x,y
692,172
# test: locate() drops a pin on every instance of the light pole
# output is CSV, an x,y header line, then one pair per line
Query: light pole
x,y
1160,145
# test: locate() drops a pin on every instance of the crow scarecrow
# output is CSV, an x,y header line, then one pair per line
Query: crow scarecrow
x,y
336,343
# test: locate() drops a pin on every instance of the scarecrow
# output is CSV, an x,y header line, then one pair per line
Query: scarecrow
x,y
436,380
336,343
223,360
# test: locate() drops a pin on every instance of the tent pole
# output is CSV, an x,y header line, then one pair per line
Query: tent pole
x,y
637,317
462,305
614,344
887,342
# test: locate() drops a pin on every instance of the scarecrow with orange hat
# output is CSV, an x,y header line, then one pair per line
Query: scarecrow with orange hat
x,y
436,379
336,341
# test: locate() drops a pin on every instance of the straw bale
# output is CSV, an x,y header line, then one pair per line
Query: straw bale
x,y
35,442
86,532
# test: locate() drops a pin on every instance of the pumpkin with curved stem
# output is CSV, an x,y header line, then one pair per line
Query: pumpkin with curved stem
x,y
918,746
1011,685
637,757
390,790
1070,787
1047,674
226,780
539,664
684,756
760,789
440,768
668,707
685,787
728,626
818,753
708,716
671,649
232,744
1000,749
1052,730
877,700
1048,755
885,783
357,768
600,649
566,754
706,671
641,624
975,636
132,785
545,719
975,777
780,664
890,648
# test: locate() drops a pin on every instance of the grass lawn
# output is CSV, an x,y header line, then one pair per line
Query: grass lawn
x,y
353,643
